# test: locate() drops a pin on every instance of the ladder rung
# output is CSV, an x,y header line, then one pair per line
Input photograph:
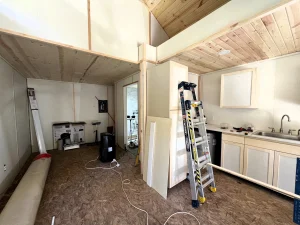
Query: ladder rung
x,y
202,158
207,183
201,142
196,120
202,164
204,177
198,139
198,123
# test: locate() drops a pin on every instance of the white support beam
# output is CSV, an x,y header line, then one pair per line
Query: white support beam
x,y
228,17
147,53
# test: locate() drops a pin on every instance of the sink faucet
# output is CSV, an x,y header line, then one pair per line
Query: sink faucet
x,y
281,130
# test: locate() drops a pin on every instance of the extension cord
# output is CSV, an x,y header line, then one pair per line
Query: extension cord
x,y
127,181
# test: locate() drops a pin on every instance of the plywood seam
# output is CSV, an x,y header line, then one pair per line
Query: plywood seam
x,y
13,67
22,52
250,46
276,24
293,35
271,39
88,68
12,53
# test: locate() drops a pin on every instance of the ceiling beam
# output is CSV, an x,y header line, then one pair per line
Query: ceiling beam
x,y
231,16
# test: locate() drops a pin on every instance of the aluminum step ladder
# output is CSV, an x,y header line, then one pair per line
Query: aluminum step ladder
x,y
197,162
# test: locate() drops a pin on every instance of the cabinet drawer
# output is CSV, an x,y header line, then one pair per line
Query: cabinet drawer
x,y
233,138
291,149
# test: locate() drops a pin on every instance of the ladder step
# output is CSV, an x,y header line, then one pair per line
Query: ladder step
x,y
201,158
196,120
207,183
198,139
202,164
201,142
204,177
198,123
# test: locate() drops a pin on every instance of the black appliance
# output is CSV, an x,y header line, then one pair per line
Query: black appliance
x,y
107,149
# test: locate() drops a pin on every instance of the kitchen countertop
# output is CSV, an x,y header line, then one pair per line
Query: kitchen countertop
x,y
250,135
229,131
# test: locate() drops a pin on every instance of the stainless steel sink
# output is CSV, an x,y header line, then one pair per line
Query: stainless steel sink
x,y
277,135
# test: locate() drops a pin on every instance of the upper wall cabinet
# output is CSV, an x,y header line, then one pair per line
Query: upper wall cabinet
x,y
239,89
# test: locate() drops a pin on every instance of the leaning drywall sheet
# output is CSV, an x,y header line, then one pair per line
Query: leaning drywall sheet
x,y
156,155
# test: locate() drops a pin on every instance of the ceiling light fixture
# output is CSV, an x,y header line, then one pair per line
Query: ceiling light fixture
x,y
224,52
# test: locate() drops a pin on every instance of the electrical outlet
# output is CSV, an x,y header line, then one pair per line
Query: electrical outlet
x,y
4,167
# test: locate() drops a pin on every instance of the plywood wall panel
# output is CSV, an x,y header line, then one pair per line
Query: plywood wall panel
x,y
36,59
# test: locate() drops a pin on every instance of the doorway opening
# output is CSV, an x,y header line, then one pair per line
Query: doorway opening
x,y
131,116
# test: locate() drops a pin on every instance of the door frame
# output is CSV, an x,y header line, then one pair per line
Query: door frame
x,y
125,108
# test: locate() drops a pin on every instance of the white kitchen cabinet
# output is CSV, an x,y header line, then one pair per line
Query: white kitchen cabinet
x,y
232,156
239,89
163,101
258,164
285,171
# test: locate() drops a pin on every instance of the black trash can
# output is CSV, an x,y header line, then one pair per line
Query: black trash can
x,y
107,149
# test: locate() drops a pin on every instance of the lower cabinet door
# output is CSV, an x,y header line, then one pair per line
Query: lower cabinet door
x,y
285,171
232,156
258,164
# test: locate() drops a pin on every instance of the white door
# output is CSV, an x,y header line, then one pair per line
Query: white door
x,y
258,164
178,157
232,156
285,171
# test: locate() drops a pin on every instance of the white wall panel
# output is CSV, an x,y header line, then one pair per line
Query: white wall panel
x,y
22,118
279,94
8,135
58,102
55,102
287,92
261,118
14,124
119,27
158,35
89,109
63,21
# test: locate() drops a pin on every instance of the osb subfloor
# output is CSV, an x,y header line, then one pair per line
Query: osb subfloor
x,y
76,196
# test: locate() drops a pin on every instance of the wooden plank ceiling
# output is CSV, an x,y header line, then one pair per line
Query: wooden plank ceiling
x,y
176,15
273,35
36,59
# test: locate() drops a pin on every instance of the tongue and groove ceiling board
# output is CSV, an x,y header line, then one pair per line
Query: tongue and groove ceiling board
x,y
41,60
273,35
176,15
